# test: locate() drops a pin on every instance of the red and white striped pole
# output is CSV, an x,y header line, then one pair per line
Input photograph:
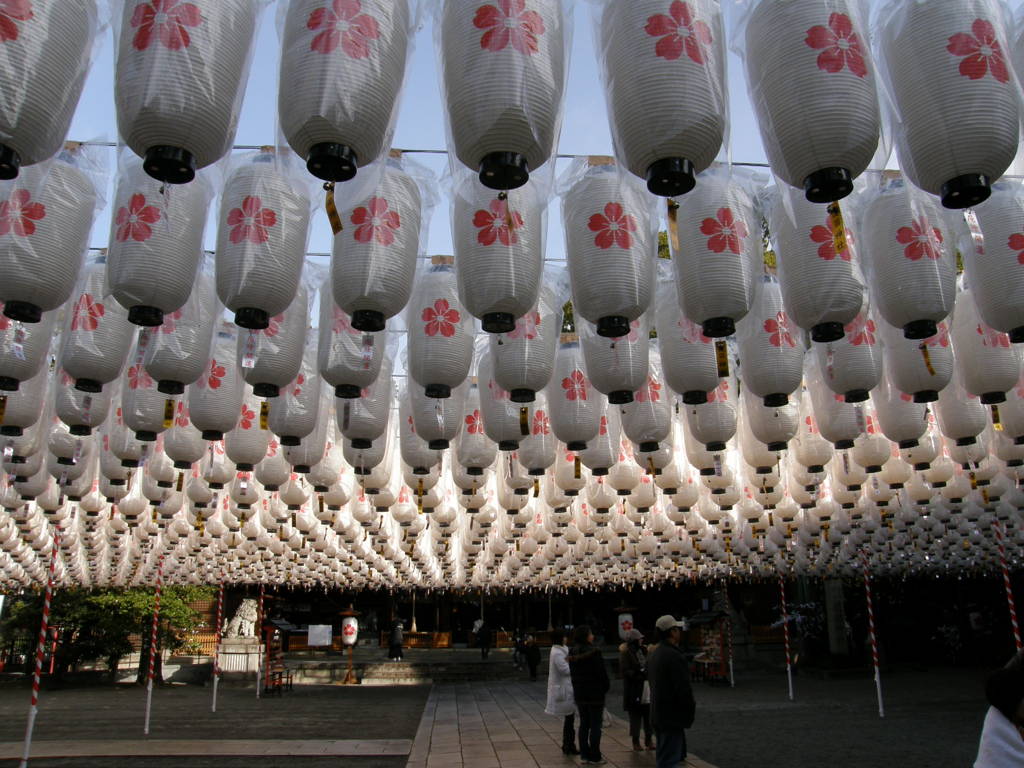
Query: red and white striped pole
x,y
41,648
259,645
1001,544
152,640
785,634
871,631
216,645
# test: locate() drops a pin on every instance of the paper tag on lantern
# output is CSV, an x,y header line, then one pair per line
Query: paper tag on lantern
x,y
265,415
249,352
859,415
18,347
977,238
346,415
650,466
181,480
722,358
332,209
835,219
770,261
8,451
536,487
576,468
846,462
524,420
673,225
3,407
86,407
927,359
718,465
984,495
997,423
974,481
367,351
168,413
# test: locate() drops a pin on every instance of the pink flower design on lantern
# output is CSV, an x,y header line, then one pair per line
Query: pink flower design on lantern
x,y
719,394
613,227
5,322
273,326
634,332
526,326
474,424
247,417
541,423
921,240
215,376
778,329
651,393
980,52
18,214
691,332
345,23
375,222
133,220
497,224
497,393
11,11
827,249
169,19
87,313
181,419
138,378
725,233
272,448
343,323
861,331
940,339
509,23
990,337
809,421
412,425
906,398
297,385
680,31
1016,243
168,326
839,45
575,386
603,429
251,222
440,318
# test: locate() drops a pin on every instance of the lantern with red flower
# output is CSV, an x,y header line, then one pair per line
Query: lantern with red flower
x,y
23,347
503,421
647,417
989,366
474,451
247,443
713,422
687,355
416,451
348,359
80,411
575,407
997,273
296,412
918,368
270,359
771,348
440,331
838,420
524,357
537,450
143,406
852,365
183,443
617,367
215,399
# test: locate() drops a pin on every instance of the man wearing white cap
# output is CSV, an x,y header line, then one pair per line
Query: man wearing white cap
x,y
672,703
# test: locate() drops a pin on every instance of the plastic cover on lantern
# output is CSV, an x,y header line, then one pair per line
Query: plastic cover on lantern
x,y
524,357
273,470
812,82
503,75
810,448
183,443
918,368
537,450
416,451
364,419
269,359
215,399
771,349
348,359
262,231
145,410
611,225
502,420
575,405
666,90
52,206
179,81
23,348
81,411
839,421
23,408
437,420
713,422
989,366
440,330
955,110
339,89
1011,413
296,411
601,452
617,367
961,415
246,444
688,357
995,273
313,447
852,366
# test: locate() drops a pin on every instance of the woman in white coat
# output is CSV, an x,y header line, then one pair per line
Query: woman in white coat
x,y
560,700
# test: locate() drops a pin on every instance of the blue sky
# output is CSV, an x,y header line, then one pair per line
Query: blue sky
x,y
420,120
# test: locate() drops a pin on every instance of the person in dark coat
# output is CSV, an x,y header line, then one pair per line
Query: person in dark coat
x,y
532,654
483,640
395,642
589,686
636,698
672,703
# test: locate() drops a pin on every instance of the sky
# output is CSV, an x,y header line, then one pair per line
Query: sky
x,y
421,121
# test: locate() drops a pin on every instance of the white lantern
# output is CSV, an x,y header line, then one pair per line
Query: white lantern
x,y
474,450
851,366
602,452
23,408
270,358
81,411
664,75
50,209
342,68
839,421
349,631
23,348
348,359
810,449
919,368
262,230
989,366
440,348
504,422
948,72
373,261
179,77
145,410
294,415
437,421
273,471
647,418
688,357
503,69
537,450
364,419
617,367
770,348
247,443
215,399
610,236
524,357
312,449
575,406
961,416
910,263
809,71
996,276
416,452
183,443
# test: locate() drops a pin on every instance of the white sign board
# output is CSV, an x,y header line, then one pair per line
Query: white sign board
x,y
319,635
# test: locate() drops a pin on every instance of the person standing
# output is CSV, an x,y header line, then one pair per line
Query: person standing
x,y
672,703
483,639
560,699
589,686
636,698
396,640
1002,736
531,652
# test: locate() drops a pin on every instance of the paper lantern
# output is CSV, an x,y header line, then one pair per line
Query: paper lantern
x,y
754,450
537,450
474,450
839,421
664,75
263,227
601,452
294,415
961,416
1011,413
714,422
958,110
97,333
23,408
364,419
995,275
144,409
770,348
180,73
919,368
647,418
989,367
183,443
811,80
373,261
499,251
524,357
215,399
503,71
503,421
23,347
50,209
348,359
821,285
911,268
718,251
247,443
437,421
688,357
440,348
273,471
810,448
80,411
619,366
416,451
610,231
270,358
177,351
341,72
851,366
314,447
575,406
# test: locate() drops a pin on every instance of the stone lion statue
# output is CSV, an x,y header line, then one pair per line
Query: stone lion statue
x,y
243,623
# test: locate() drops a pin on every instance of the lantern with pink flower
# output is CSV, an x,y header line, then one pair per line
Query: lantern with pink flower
x,y
921,368
812,82
989,365
440,350
180,73
687,355
713,422
144,409
348,359
602,452
364,419
416,452
503,71
503,421
537,450
900,418
312,449
215,398
771,348
524,357
295,414
996,274
342,66
811,450
617,367
474,450
437,420
270,359
23,348
575,406
183,443
246,444
948,73
839,421
851,366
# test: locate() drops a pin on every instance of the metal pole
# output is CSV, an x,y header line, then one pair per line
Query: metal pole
x,y
216,645
152,641
40,649
785,633
1001,544
871,630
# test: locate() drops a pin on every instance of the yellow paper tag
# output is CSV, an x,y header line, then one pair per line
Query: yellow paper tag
x,y
722,357
576,468
835,218
997,423
169,414
264,415
673,225
320,503
524,420
3,408
332,209
974,482
181,480
927,359
769,260
650,466
536,488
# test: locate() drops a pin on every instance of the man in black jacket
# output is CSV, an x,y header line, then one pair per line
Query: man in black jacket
x,y
672,704
589,685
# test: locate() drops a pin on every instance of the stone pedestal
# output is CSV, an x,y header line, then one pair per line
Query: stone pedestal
x,y
239,655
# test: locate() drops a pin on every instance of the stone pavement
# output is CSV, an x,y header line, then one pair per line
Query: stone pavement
x,y
204,748
488,725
